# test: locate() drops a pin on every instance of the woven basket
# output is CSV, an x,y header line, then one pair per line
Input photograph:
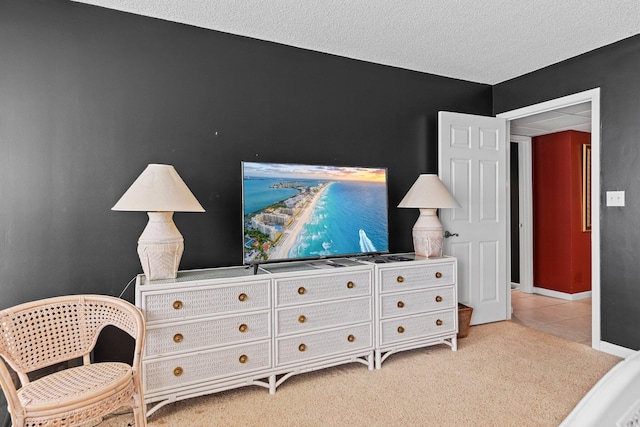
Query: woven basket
x,y
464,319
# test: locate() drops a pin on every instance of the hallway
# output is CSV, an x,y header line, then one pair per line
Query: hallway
x,y
570,320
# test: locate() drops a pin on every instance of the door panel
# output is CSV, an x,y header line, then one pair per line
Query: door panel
x,y
489,200
460,173
462,251
489,286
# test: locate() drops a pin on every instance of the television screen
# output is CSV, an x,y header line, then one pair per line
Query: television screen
x,y
294,211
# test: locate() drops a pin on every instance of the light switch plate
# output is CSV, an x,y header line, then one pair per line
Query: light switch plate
x,y
615,198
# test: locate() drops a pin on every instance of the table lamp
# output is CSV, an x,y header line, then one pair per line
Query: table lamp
x,y
160,192
428,194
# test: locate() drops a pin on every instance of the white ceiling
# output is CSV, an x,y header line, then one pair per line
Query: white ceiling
x,y
481,41
575,117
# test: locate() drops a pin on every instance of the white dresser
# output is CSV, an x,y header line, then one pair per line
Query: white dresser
x,y
207,331
416,304
215,329
323,316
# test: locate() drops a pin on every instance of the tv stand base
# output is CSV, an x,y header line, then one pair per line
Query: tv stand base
x,y
217,329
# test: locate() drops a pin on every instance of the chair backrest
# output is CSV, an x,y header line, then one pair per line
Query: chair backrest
x,y
42,333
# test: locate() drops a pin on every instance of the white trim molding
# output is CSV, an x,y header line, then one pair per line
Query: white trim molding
x,y
562,295
593,96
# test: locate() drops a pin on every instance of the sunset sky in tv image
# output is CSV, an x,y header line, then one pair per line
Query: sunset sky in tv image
x,y
298,171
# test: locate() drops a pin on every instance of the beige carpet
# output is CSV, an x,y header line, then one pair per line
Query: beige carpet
x,y
503,374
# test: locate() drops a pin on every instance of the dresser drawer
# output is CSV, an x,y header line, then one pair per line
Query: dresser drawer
x,y
414,327
205,300
187,336
320,344
406,278
323,315
404,303
318,288
201,367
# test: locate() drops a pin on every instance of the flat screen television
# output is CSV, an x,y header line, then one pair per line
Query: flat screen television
x,y
295,211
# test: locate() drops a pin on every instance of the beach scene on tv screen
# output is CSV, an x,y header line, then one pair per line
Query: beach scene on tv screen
x,y
303,211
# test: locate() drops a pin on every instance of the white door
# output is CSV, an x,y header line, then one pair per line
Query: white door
x,y
472,163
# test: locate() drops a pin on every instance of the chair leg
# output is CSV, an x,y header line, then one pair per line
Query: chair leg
x,y
139,417
139,411
17,422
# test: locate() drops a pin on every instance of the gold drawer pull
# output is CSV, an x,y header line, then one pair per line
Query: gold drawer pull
x,y
351,338
301,290
438,298
400,279
439,322
438,275
350,284
177,338
177,305
242,297
243,359
400,329
302,347
243,328
178,371
400,304
302,318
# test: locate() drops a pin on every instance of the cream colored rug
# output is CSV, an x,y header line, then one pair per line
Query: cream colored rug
x,y
503,374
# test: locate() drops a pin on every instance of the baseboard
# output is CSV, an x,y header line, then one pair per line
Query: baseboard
x,y
616,350
561,295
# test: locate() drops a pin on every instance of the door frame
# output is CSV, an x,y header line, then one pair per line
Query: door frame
x,y
525,211
526,251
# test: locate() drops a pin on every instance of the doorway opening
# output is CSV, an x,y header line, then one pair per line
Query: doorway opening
x,y
560,304
522,116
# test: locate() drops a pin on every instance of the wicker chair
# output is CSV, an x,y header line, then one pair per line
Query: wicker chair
x,y
43,333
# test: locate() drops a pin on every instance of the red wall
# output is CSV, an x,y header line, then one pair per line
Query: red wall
x,y
561,250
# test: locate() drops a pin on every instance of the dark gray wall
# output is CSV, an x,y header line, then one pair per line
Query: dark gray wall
x,y
616,70
90,96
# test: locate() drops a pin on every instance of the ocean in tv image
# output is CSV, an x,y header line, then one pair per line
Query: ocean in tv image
x,y
303,211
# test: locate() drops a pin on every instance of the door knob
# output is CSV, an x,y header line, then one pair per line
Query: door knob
x,y
447,234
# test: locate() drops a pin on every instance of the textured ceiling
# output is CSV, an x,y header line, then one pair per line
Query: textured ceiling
x,y
575,117
480,41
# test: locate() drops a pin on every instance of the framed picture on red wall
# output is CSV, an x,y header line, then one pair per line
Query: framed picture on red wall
x,y
586,187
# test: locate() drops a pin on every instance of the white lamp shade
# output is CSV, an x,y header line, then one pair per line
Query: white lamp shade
x,y
159,188
428,192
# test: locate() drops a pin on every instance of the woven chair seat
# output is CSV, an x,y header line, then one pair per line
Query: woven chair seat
x,y
53,333
76,385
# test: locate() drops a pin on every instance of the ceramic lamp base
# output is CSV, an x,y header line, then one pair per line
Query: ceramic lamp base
x,y
427,243
160,247
427,234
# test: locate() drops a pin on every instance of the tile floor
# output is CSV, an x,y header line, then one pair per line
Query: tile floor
x,y
570,320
